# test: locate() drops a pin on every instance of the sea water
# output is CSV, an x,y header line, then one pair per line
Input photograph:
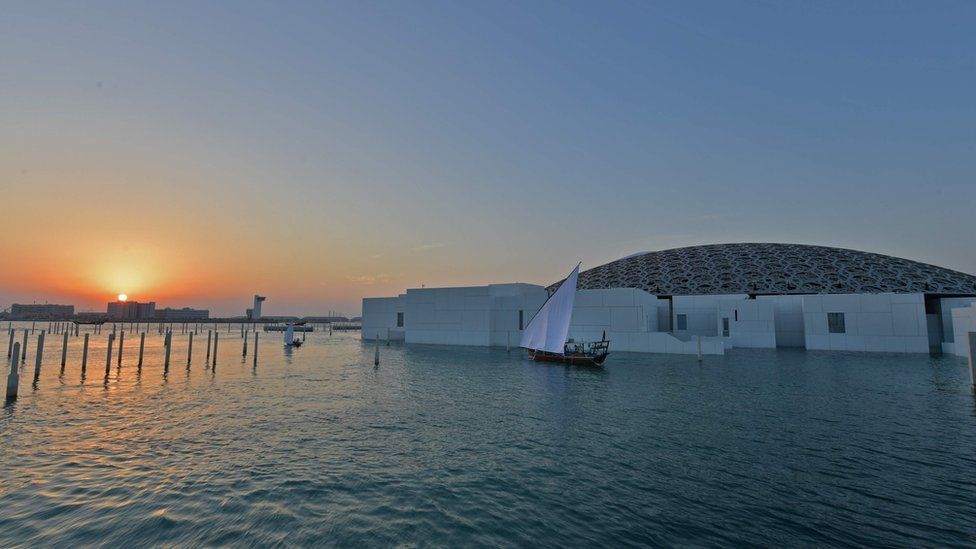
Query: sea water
x,y
465,446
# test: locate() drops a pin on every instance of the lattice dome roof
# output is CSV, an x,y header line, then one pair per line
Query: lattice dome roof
x,y
774,269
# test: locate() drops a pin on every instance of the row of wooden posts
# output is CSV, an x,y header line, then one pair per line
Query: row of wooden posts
x,y
17,353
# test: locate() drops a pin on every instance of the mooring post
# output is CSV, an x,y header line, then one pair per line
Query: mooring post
x,y
376,356
255,349
108,353
13,378
168,342
245,346
206,360
142,345
189,350
23,348
121,340
64,349
972,358
32,326
699,349
40,352
84,355
215,350
10,344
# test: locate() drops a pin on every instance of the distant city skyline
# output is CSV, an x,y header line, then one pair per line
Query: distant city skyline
x,y
195,154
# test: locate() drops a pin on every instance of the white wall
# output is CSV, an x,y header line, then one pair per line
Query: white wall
x,y
451,316
963,322
788,316
507,301
755,327
702,313
380,318
874,322
946,305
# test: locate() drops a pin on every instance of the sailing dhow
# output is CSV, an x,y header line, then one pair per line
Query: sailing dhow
x,y
290,340
545,336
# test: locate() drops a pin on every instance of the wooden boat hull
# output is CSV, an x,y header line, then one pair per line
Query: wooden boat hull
x,y
573,359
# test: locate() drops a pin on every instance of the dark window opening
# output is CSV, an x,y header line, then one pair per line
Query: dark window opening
x,y
725,326
835,323
399,320
521,315
682,322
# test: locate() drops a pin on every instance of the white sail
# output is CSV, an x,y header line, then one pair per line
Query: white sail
x,y
548,328
290,334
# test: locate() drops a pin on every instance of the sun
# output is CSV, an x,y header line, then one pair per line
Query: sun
x,y
123,297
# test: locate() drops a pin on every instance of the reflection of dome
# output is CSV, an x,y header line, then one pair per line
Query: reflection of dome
x,y
774,269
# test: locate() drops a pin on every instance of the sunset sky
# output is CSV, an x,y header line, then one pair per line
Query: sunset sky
x,y
196,153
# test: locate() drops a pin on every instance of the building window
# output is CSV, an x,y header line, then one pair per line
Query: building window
x,y
725,326
835,323
682,322
521,316
736,315
399,320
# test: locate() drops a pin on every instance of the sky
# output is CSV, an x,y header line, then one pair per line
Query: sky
x,y
196,153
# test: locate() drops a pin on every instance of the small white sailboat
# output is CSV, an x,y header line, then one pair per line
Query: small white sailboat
x,y
545,336
290,340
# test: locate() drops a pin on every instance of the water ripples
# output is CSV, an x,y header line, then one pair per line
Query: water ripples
x,y
450,446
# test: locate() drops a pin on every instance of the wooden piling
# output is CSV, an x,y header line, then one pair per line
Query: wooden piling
x,y
13,378
189,350
23,348
376,356
206,360
84,355
64,349
142,345
40,353
215,350
10,344
121,340
169,344
108,353
245,346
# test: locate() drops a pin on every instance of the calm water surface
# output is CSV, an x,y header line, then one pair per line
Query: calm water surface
x,y
466,446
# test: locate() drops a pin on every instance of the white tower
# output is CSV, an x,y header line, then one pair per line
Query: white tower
x,y
256,310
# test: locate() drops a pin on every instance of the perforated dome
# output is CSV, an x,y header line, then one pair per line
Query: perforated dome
x,y
773,269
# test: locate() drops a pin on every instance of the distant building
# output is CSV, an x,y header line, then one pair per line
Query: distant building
x,y
131,310
185,313
254,313
324,319
35,311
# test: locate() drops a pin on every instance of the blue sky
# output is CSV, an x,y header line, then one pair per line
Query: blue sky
x,y
473,142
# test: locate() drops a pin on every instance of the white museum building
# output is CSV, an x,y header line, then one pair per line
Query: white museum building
x,y
725,295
